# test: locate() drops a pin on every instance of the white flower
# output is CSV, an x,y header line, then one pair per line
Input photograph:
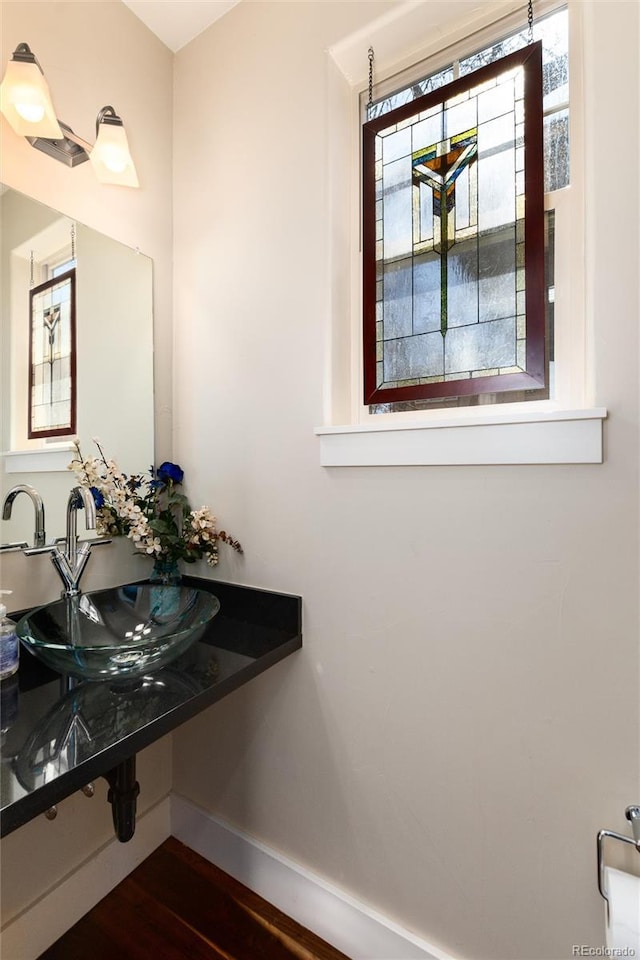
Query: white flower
x,y
154,545
203,526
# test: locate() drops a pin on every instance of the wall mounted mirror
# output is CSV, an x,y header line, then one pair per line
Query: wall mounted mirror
x,y
96,357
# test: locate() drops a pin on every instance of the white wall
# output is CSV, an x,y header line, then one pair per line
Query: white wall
x,y
93,53
463,716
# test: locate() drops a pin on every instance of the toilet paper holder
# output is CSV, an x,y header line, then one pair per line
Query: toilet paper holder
x,y
633,816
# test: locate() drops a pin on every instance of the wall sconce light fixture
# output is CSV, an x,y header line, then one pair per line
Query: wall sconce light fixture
x,y
24,96
26,103
110,157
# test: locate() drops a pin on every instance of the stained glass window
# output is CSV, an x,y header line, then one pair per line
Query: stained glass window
x,y
52,388
553,32
453,238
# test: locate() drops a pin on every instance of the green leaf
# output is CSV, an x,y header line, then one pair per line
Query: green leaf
x,y
161,526
178,499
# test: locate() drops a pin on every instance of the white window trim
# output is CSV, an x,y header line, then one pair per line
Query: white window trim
x,y
559,436
567,429
54,459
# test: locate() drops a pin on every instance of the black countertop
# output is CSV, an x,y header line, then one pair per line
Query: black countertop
x,y
57,738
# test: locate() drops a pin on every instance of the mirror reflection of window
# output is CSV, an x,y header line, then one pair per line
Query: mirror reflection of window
x,y
52,353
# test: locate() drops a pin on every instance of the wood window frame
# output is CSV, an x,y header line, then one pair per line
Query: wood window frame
x,y
70,428
535,375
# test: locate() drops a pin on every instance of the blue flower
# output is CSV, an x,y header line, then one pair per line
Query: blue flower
x,y
98,497
168,471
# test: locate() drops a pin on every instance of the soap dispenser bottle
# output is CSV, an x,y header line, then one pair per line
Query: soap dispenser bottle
x,y
9,643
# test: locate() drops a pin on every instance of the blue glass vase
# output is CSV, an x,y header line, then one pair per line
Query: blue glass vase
x,y
166,572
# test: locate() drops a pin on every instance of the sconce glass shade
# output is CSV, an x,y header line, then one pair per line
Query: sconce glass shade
x,y
25,99
110,157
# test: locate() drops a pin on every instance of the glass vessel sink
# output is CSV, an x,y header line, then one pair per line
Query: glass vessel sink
x,y
117,634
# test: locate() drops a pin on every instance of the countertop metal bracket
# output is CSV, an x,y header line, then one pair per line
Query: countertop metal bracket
x,y
123,794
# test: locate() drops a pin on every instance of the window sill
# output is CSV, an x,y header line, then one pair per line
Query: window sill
x,y
553,436
53,460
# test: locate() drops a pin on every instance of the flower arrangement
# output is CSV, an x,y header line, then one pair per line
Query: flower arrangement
x,y
150,510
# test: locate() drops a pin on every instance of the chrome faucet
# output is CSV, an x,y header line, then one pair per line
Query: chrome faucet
x,y
68,558
78,498
39,537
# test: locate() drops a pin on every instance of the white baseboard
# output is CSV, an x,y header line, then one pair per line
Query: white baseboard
x,y
360,932
29,934
350,926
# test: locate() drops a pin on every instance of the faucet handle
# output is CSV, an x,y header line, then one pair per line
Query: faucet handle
x,y
58,546
34,551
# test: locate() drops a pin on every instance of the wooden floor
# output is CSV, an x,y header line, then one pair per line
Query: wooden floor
x,y
177,905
